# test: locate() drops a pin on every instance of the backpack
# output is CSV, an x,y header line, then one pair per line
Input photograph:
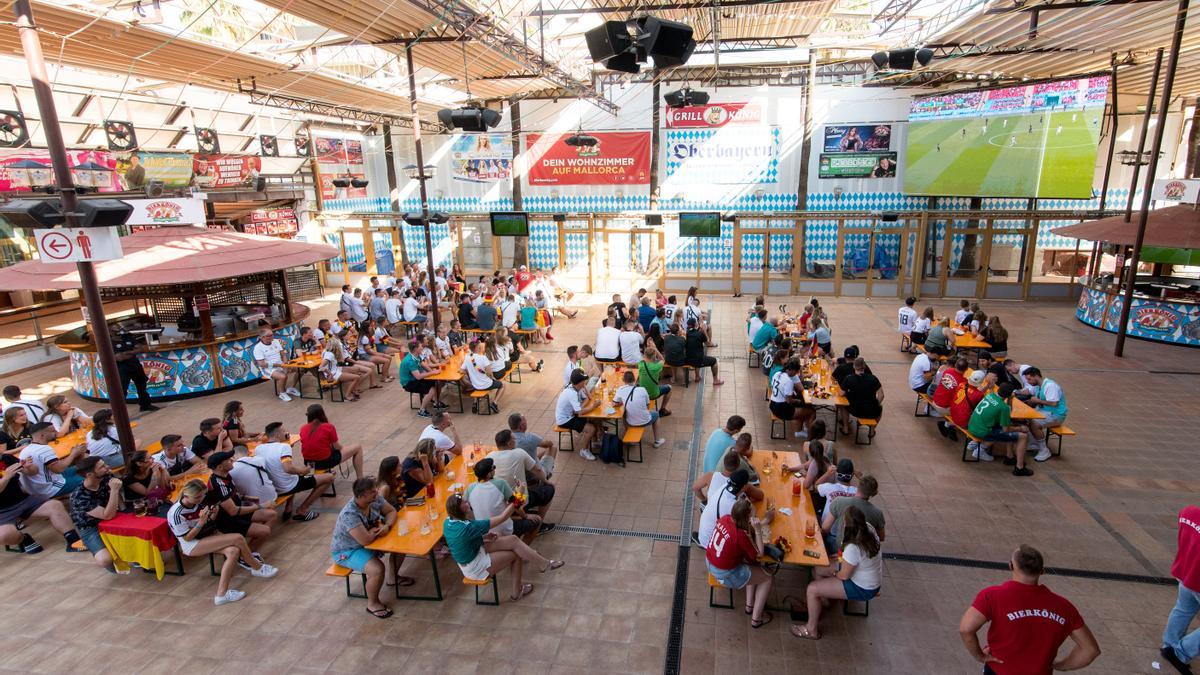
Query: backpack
x,y
611,451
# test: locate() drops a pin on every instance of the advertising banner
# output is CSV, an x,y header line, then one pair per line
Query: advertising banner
x,y
166,211
620,158
338,151
708,156
136,169
331,191
1177,190
23,169
217,171
481,158
858,138
858,165
272,222
713,115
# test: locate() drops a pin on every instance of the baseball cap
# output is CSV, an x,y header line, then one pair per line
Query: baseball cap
x,y
845,469
738,480
216,458
976,378
484,466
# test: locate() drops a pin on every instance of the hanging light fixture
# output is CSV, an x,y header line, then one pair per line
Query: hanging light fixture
x,y
413,172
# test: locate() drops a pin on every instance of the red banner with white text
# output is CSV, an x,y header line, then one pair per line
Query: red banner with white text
x,y
619,158
713,115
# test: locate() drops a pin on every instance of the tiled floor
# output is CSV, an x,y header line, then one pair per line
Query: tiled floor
x,y
1107,505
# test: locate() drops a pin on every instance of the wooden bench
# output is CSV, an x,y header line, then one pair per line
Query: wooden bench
x,y
870,425
1060,431
633,435
967,438
524,334
782,423
336,570
906,343
410,328
753,360
570,437
866,607
332,486
513,373
713,585
478,583
687,374
332,386
923,398
481,396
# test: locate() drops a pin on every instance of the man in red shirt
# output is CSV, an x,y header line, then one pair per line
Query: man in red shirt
x,y
1179,649
523,278
1028,624
949,381
967,397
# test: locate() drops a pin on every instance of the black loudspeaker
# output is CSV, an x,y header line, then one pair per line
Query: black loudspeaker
x,y
33,213
102,212
654,219
469,119
560,217
902,59
670,43
608,40
625,63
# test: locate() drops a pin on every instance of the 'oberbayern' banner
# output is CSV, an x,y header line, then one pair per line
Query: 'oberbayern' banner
x,y
723,156
481,158
23,169
713,115
137,169
620,158
216,171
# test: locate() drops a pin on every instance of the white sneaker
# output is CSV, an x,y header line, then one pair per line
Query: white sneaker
x,y
587,454
1043,454
984,455
231,595
293,391
659,443
284,397
266,571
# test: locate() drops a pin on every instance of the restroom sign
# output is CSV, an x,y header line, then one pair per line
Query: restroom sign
x,y
78,244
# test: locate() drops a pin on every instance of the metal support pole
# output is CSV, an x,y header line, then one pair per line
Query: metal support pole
x,y
389,160
655,126
1112,139
1137,165
1151,169
416,119
32,46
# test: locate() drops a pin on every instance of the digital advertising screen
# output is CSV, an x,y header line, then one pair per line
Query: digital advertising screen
x,y
510,224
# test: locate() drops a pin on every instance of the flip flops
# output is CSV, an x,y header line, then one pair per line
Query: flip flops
x,y
767,617
526,589
380,613
803,632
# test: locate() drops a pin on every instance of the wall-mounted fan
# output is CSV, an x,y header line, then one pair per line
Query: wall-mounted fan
x,y
303,145
207,141
13,132
120,135
268,145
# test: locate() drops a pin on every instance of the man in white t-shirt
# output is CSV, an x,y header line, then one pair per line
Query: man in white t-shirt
x,y
629,343
34,410
177,458
411,308
515,467
570,407
443,433
842,488
721,490
920,373
637,406
291,477
510,309
489,497
907,316
670,310
608,343
268,356
477,367
393,309
252,480
757,319
786,403
43,474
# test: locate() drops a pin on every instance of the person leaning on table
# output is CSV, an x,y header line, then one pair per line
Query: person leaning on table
x,y
732,558
365,518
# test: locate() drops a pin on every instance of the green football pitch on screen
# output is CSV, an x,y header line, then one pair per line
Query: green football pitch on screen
x,y
1040,154
510,224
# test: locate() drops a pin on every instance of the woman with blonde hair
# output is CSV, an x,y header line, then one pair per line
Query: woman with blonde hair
x,y
194,525
331,370
940,340
367,371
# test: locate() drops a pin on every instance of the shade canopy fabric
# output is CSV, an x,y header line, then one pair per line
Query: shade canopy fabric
x,y
173,255
1173,227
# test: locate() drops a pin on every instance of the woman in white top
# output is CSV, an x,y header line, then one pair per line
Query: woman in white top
x,y
102,440
64,416
332,371
369,347
476,366
692,311
498,362
858,578
515,352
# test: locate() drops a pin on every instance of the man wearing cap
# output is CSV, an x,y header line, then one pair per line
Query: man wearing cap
x,y
968,396
237,514
840,488
523,278
268,356
46,475
723,491
490,496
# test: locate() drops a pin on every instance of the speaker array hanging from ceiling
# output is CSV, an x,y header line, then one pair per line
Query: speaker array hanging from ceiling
x,y
207,141
624,45
13,132
268,145
902,59
469,118
303,145
120,135
685,97
581,140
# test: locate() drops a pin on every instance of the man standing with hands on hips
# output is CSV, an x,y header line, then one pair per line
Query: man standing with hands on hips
x,y
1179,649
126,348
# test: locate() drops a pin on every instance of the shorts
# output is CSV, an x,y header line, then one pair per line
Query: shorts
x,y
858,593
90,537
496,384
331,462
999,435
523,526
707,362
304,484
355,559
784,411
22,510
1049,421
575,424
227,524
540,495
113,461
73,481
735,578
867,413
477,569
421,387
923,389
615,359
663,390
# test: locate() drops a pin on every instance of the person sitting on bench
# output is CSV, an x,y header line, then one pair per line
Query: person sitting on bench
x,y
785,403
694,350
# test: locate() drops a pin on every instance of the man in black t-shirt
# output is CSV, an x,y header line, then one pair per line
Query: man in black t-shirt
x,y
674,348
16,505
95,500
695,356
126,347
211,437
236,514
864,394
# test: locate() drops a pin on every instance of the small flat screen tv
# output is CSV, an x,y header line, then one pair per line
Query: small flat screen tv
x,y
700,224
510,224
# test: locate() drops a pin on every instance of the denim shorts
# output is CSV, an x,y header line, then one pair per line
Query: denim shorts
x,y
856,592
735,578
91,539
663,390
999,435
355,559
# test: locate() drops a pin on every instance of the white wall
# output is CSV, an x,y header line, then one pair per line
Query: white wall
x,y
858,105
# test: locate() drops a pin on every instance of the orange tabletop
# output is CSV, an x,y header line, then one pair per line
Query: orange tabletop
x,y
1020,409
605,390
820,371
415,543
451,372
305,362
969,341
777,488
62,446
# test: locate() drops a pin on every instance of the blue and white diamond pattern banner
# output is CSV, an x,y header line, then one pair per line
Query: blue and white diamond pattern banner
x,y
543,244
729,155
